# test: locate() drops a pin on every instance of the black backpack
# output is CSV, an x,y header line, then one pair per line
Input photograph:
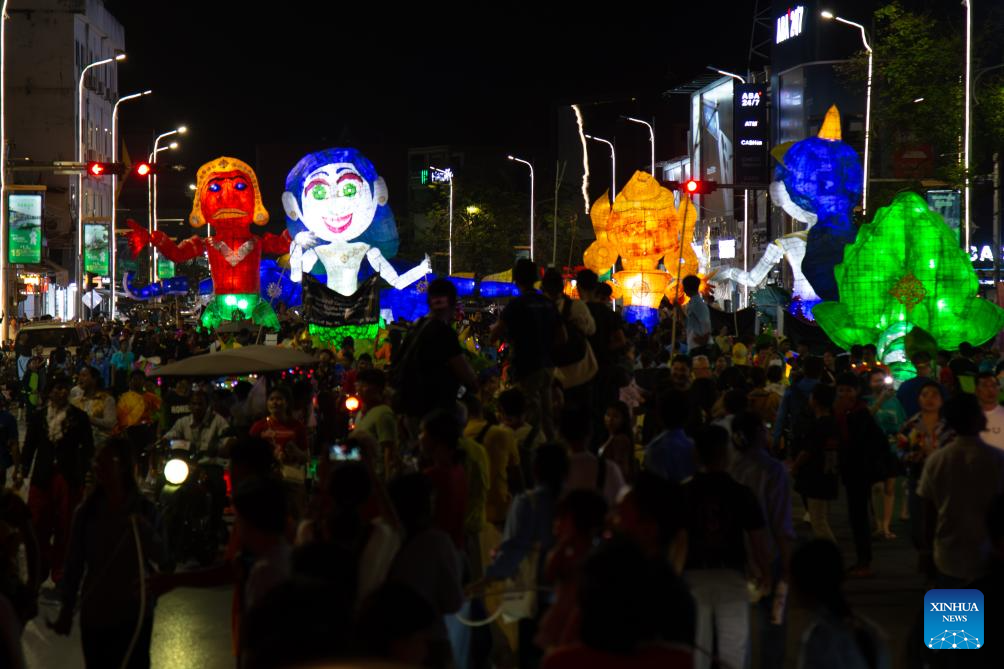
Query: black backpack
x,y
574,348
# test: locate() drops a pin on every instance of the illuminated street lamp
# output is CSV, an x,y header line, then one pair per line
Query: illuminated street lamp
x,y
532,206
80,180
829,16
115,158
651,137
151,186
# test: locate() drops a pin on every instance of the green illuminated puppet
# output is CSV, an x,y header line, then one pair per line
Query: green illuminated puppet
x,y
906,270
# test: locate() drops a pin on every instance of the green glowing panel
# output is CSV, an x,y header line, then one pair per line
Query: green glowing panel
x,y
332,337
906,270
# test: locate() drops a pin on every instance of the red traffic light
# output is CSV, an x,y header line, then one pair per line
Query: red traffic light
x,y
143,169
97,169
693,186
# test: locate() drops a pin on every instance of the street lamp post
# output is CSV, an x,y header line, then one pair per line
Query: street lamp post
x,y
651,137
152,189
967,143
80,181
115,159
3,166
830,16
613,183
448,174
613,166
532,205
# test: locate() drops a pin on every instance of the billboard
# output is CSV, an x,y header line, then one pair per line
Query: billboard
x,y
948,203
24,236
752,135
97,253
713,152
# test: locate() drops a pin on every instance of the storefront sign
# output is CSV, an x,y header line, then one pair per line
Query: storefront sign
x,y
790,24
24,239
96,251
752,135
165,268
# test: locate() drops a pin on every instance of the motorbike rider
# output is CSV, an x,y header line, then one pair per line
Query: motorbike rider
x,y
204,429
207,433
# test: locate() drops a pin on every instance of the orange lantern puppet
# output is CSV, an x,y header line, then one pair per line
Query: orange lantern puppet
x,y
227,198
644,227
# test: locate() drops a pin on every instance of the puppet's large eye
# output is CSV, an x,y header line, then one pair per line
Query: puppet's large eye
x,y
348,190
240,185
319,192
214,188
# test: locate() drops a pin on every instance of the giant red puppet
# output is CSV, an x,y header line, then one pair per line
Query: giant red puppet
x,y
226,197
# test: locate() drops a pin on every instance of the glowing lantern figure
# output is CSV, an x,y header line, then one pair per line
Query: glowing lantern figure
x,y
818,183
337,211
228,198
906,270
643,227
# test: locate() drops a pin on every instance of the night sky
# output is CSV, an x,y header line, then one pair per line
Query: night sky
x,y
312,78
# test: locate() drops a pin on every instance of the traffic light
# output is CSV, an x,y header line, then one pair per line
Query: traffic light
x,y
693,186
96,169
144,169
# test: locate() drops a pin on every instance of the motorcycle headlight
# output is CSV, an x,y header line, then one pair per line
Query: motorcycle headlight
x,y
176,471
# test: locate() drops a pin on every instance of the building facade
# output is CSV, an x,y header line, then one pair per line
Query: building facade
x,y
48,45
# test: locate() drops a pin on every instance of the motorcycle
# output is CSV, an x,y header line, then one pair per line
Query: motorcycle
x,y
190,502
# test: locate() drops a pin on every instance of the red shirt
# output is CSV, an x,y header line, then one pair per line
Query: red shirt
x,y
449,500
283,432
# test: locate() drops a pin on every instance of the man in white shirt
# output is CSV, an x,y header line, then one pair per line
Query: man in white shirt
x,y
203,429
988,393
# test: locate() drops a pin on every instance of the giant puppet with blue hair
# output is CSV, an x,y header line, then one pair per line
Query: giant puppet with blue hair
x,y
337,213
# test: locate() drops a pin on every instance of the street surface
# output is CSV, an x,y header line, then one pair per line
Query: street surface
x,y
192,627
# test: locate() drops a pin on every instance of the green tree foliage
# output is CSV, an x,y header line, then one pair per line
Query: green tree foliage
x,y
486,237
920,55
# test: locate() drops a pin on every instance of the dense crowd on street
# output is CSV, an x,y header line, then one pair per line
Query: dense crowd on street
x,y
589,494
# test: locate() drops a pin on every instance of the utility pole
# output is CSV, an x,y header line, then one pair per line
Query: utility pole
x,y
997,219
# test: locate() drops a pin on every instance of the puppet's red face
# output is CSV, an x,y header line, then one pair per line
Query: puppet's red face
x,y
228,200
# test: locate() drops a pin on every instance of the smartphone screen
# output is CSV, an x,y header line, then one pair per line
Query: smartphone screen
x,y
342,453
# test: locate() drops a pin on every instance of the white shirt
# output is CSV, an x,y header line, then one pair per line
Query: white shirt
x,y
994,434
698,322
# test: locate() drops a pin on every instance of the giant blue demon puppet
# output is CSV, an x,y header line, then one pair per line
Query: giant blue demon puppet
x,y
818,181
337,212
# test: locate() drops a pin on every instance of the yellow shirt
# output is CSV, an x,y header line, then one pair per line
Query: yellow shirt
x,y
503,453
476,465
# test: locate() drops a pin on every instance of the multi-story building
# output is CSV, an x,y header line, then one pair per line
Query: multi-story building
x,y
48,45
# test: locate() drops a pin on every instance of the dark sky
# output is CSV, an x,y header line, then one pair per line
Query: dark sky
x,y
312,76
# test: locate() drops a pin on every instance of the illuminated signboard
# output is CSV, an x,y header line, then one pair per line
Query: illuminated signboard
x,y
752,135
790,24
24,232
726,249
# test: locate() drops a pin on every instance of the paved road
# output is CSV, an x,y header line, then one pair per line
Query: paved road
x,y
892,598
191,629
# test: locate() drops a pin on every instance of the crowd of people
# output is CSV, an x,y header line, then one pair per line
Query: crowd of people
x,y
595,495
